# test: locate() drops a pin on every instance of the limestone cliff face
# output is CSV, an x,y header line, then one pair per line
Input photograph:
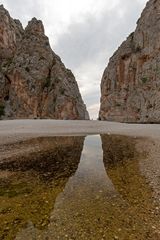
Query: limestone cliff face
x,y
34,83
130,85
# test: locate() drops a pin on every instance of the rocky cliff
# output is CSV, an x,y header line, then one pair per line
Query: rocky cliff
x,y
130,85
34,83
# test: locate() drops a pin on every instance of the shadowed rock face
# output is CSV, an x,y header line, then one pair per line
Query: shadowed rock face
x,y
34,83
131,82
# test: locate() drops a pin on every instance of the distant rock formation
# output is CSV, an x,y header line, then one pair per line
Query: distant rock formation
x,y
34,83
130,87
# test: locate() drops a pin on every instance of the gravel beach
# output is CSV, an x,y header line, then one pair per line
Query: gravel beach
x,y
17,130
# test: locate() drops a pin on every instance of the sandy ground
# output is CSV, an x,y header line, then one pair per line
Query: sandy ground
x,y
16,130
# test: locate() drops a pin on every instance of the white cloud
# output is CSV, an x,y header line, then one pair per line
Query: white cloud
x,y
93,110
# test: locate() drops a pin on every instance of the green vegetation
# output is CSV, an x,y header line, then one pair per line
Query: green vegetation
x,y
118,105
62,91
57,80
137,49
27,69
157,70
47,82
69,74
144,79
2,112
6,64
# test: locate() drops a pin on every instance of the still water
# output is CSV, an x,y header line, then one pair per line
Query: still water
x,y
77,188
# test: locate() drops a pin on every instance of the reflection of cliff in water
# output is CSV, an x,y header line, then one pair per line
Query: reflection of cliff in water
x,y
30,183
49,157
139,216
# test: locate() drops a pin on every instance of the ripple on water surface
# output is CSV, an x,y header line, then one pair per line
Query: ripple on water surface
x,y
77,188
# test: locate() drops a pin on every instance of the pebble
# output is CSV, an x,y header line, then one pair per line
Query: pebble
x,y
116,237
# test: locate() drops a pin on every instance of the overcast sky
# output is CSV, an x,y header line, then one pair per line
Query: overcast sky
x,y
83,33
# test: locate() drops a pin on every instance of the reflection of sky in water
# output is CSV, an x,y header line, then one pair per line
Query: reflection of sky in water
x,y
91,172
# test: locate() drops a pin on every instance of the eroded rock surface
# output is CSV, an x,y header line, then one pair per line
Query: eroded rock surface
x,y
34,83
130,85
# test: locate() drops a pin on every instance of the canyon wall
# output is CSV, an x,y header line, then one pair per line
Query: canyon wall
x,y
34,83
130,87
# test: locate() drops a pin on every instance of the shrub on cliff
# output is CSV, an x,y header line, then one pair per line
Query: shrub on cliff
x,y
1,111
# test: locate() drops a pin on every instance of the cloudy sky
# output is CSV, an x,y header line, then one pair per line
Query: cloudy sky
x,y
83,33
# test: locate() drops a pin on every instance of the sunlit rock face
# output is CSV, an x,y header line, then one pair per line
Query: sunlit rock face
x,y
34,83
130,87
